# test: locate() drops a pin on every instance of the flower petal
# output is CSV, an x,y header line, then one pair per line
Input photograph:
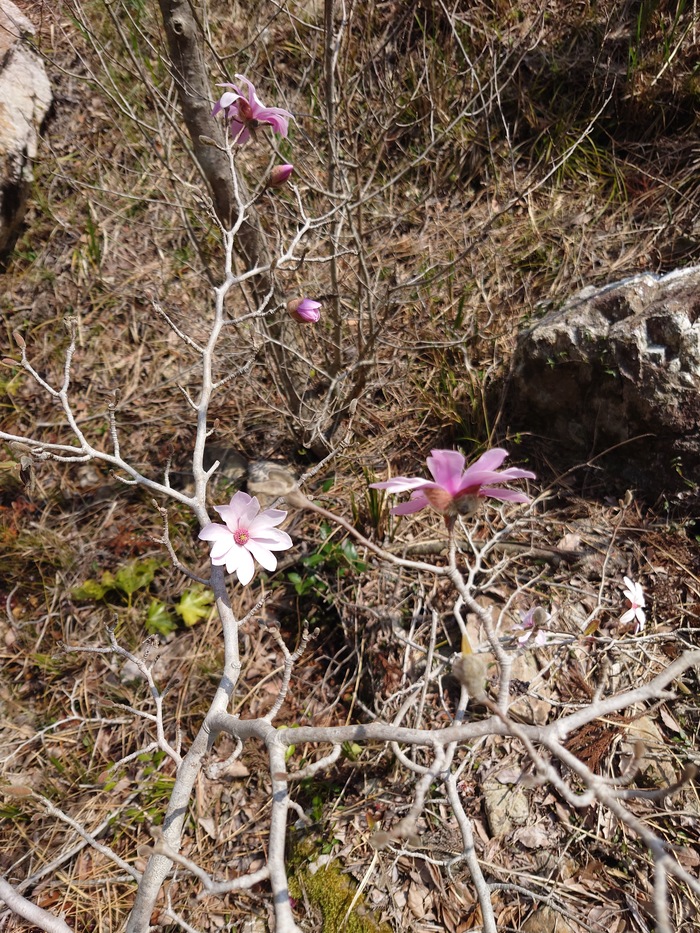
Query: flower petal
x,y
220,549
414,504
246,567
249,508
230,515
249,87
504,495
239,132
214,532
266,519
515,473
232,560
447,467
228,98
240,511
276,117
273,540
474,478
263,556
401,484
490,460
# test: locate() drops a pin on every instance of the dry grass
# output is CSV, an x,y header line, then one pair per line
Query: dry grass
x,y
477,233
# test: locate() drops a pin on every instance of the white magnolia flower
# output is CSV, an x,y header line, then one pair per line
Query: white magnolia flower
x,y
247,534
635,594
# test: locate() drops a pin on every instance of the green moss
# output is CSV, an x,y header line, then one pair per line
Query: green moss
x,y
331,892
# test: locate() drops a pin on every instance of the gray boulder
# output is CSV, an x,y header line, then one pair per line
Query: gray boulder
x,y
617,369
25,97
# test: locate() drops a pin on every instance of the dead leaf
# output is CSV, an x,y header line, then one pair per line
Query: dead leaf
x,y
688,858
209,826
417,897
668,720
534,837
569,542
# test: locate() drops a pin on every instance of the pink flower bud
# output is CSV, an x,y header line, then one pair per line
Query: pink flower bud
x,y
279,175
304,310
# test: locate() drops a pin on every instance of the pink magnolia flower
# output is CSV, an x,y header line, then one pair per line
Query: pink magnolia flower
x,y
279,175
635,594
246,112
455,490
530,623
305,310
246,535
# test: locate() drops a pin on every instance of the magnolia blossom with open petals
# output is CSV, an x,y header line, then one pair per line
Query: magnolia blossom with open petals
x,y
247,534
454,489
245,111
635,594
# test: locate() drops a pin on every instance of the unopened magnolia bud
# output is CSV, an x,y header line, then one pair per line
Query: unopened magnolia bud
x,y
279,175
470,671
304,310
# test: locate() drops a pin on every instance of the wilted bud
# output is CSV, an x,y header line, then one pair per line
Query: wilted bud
x,y
539,617
304,310
470,671
279,175
380,839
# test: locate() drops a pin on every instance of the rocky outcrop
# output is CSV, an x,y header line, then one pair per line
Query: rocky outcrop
x,y
618,369
25,97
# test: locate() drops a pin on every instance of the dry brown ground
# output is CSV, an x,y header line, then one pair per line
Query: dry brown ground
x,y
107,231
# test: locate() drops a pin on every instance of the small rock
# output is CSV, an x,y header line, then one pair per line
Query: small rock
x,y
612,365
269,480
25,98
506,805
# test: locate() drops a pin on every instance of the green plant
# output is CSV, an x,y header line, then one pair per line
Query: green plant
x,y
195,604
331,892
136,575
159,620
333,557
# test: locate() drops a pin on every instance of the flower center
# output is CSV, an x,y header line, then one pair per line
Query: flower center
x,y
467,502
241,536
245,111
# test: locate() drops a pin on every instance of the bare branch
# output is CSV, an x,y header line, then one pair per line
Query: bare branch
x,y
28,911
